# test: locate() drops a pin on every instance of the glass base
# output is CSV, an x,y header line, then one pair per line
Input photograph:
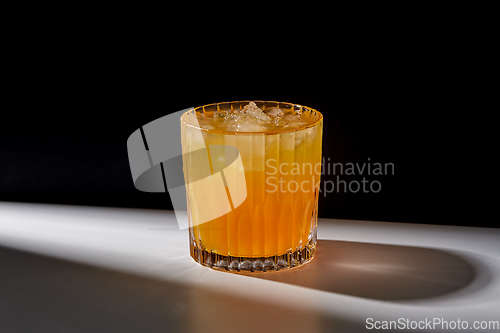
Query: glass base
x,y
257,264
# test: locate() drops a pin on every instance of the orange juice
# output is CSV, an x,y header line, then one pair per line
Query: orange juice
x,y
267,207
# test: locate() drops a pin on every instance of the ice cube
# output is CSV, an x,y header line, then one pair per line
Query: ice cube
x,y
291,118
277,121
249,127
311,134
250,119
299,137
242,122
253,110
274,112
297,124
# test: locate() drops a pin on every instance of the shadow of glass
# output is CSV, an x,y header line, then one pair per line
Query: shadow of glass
x,y
44,294
384,272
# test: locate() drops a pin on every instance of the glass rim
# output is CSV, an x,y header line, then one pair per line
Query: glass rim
x,y
195,109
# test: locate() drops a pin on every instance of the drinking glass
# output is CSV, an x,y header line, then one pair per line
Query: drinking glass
x,y
253,208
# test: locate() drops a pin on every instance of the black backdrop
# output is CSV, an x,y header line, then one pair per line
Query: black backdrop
x,y
64,138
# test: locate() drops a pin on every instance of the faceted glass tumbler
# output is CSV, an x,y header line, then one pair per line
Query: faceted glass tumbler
x,y
254,208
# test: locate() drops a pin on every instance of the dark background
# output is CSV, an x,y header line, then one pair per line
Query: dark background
x,y
72,109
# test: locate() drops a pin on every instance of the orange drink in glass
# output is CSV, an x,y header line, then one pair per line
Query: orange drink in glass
x,y
253,208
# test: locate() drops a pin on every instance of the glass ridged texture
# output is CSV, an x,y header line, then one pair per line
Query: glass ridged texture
x,y
272,229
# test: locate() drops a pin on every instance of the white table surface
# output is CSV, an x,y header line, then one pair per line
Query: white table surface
x,y
93,269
